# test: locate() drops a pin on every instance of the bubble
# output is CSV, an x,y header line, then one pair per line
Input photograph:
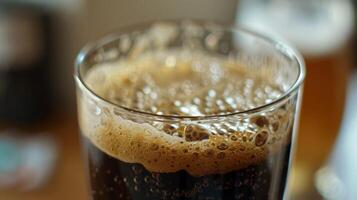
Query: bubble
x,y
177,103
212,93
219,102
195,133
169,129
222,108
230,128
154,109
153,95
98,111
261,121
261,138
275,126
147,89
197,101
222,146
221,132
234,138
170,61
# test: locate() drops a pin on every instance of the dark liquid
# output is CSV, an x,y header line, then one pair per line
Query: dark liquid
x,y
111,178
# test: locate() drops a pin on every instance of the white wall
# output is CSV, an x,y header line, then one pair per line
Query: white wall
x,y
105,16
69,39
79,21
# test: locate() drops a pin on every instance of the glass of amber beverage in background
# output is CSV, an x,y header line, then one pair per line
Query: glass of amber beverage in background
x,y
188,111
308,25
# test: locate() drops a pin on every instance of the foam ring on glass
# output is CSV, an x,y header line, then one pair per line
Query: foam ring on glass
x,y
188,110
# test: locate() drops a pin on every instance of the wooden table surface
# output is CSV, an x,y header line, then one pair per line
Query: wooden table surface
x,y
68,180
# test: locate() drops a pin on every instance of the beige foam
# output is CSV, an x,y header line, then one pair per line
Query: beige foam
x,y
141,142
159,152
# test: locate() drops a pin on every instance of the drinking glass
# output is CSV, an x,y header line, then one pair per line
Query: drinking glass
x,y
225,147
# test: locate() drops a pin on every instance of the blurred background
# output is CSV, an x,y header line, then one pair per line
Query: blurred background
x,y
39,39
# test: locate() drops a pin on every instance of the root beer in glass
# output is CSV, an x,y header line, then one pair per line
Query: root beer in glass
x,y
188,111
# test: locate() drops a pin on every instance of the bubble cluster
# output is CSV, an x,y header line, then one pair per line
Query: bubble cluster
x,y
182,83
185,83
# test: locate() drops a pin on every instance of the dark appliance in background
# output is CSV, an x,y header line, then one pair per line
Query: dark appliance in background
x,y
25,56
28,151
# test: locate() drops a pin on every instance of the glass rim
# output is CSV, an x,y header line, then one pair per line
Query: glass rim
x,y
282,48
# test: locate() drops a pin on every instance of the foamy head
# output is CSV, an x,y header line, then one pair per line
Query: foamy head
x,y
185,83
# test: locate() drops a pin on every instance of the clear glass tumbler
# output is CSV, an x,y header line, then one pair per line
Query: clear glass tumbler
x,y
188,110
